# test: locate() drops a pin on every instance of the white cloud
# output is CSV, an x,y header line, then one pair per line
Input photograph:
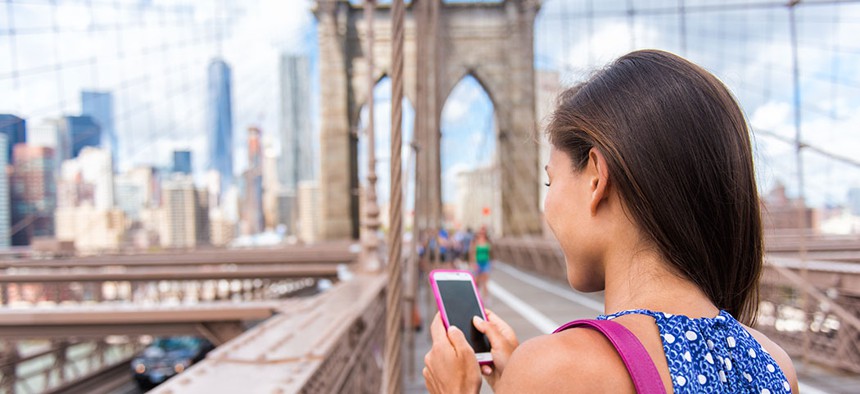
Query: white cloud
x,y
772,116
477,139
463,98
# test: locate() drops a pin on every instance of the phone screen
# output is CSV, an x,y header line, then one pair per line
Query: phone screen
x,y
461,305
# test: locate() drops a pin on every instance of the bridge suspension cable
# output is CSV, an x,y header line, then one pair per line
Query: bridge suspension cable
x,y
393,378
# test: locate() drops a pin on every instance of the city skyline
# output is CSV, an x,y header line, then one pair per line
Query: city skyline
x,y
172,88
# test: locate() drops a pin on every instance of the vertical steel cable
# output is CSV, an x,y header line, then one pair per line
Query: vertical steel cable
x,y
631,24
682,26
801,197
393,382
371,243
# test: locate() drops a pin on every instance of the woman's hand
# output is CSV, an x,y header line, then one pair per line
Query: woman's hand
x,y
450,366
503,341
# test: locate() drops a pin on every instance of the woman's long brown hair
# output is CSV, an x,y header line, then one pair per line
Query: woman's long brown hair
x,y
678,150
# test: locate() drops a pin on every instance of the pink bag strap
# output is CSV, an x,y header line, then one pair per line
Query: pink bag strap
x,y
645,377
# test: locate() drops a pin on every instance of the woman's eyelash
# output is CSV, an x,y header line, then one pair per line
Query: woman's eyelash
x,y
546,184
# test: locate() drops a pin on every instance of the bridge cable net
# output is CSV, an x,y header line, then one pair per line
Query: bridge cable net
x,y
792,67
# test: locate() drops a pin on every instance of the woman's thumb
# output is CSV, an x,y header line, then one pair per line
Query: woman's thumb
x,y
486,328
458,339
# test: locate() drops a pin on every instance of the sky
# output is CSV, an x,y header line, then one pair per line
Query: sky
x,y
153,56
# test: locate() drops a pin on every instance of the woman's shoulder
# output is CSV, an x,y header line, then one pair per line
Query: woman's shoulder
x,y
574,360
779,355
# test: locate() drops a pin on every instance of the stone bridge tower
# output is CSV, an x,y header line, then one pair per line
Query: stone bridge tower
x,y
493,42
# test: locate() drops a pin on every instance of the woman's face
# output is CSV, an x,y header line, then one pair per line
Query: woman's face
x,y
567,212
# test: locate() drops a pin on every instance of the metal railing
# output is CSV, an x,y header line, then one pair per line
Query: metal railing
x,y
84,289
43,366
821,325
826,330
239,275
331,342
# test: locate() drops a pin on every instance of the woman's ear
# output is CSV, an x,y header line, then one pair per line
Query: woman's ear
x,y
598,173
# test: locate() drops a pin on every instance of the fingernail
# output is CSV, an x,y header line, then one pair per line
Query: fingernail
x,y
477,320
452,328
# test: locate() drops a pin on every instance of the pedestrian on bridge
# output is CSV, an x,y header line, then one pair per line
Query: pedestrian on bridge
x,y
480,254
653,199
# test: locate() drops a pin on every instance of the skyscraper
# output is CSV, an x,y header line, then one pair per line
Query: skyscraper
x,y
220,122
296,162
15,130
309,213
92,167
252,179
179,228
203,228
5,219
99,106
80,131
182,161
33,193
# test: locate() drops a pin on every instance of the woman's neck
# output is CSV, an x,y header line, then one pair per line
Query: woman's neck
x,y
637,279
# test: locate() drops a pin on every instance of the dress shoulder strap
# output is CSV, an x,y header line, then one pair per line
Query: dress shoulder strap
x,y
645,377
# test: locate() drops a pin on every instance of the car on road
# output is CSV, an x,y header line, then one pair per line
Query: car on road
x,y
166,357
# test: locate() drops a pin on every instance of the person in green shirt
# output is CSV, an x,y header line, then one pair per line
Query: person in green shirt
x,y
481,255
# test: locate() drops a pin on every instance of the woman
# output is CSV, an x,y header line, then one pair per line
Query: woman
x,y
652,197
481,255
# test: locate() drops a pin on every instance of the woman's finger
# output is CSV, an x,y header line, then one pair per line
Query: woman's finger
x,y
494,335
458,340
437,331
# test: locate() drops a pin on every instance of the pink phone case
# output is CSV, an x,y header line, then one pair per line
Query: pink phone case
x,y
441,306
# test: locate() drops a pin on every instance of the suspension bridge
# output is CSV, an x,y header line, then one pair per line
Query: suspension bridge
x,y
335,315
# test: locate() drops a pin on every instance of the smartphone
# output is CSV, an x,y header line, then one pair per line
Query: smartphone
x,y
458,301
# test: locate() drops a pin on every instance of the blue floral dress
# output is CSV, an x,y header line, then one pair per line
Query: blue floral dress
x,y
714,355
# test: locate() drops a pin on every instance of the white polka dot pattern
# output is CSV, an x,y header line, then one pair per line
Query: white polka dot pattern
x,y
716,355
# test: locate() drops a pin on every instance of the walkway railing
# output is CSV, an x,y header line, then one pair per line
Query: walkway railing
x,y
814,319
328,343
170,278
825,330
43,366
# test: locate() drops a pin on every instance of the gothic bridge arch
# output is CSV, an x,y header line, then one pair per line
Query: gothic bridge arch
x,y
443,43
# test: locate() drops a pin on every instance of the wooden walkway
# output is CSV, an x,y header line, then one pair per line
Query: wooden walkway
x,y
535,305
